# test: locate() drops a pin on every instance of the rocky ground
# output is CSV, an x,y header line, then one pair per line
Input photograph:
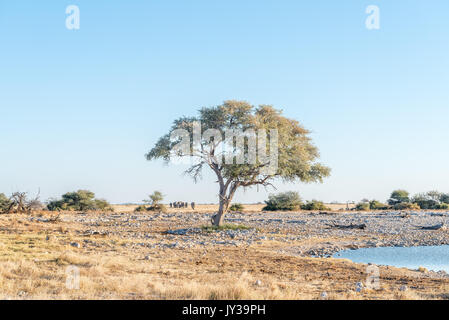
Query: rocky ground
x,y
266,245
309,234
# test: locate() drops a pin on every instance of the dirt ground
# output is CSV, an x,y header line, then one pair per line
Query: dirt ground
x,y
119,256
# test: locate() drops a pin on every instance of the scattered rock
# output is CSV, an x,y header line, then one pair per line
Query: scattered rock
x,y
76,244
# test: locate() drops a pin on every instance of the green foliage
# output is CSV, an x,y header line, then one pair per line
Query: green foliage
x,y
236,207
425,201
407,206
285,201
362,206
141,208
155,198
399,196
296,160
431,200
81,200
443,206
5,203
152,208
444,198
314,205
377,205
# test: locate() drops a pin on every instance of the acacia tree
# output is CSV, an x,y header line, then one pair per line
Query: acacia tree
x,y
295,154
399,196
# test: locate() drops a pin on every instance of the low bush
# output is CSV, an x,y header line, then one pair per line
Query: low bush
x,y
5,203
377,205
153,208
140,208
236,207
362,206
443,206
81,200
314,205
407,206
285,201
157,208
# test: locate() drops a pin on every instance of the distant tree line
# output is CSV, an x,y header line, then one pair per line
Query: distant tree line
x,y
81,200
401,200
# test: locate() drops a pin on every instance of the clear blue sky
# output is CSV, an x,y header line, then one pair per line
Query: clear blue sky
x,y
80,108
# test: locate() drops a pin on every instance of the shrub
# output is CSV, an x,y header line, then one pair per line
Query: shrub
x,y
236,207
141,208
445,198
399,196
431,200
314,205
157,208
5,203
81,200
19,202
443,206
285,201
156,197
377,205
362,206
407,206
101,204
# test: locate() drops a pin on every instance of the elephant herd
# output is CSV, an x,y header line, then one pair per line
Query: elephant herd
x,y
181,204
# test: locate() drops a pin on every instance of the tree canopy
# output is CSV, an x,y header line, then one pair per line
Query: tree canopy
x,y
285,151
80,200
399,196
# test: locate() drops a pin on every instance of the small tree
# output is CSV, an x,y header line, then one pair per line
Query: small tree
x,y
399,196
19,202
155,202
285,201
435,195
444,198
156,197
81,200
295,161
426,200
5,203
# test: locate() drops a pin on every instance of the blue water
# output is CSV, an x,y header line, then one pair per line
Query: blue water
x,y
434,258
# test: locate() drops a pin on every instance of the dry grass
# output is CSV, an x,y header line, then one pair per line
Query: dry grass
x,y
32,267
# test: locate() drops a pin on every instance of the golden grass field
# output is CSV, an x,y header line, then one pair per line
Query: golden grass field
x,y
34,257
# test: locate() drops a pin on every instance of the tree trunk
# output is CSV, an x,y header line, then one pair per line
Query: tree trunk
x,y
224,202
217,219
